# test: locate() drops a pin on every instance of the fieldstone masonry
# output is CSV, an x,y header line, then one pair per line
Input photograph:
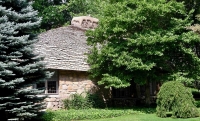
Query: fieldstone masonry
x,y
70,82
72,50
53,102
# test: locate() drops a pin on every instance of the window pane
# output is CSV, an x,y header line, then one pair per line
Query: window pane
x,y
51,86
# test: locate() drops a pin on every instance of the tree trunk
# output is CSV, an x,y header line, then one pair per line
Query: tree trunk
x,y
158,87
147,94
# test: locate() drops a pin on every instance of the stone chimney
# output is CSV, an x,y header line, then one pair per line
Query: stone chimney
x,y
85,22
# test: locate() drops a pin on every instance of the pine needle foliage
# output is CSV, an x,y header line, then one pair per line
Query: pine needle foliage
x,y
175,98
20,67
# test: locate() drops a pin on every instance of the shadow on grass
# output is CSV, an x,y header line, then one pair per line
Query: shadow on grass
x,y
140,109
147,110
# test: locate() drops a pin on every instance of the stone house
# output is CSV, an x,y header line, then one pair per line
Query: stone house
x,y
64,50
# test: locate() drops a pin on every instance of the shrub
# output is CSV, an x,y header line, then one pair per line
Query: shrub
x,y
96,100
77,101
197,103
48,116
175,98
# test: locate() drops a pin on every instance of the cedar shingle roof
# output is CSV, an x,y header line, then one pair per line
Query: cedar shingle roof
x,y
64,48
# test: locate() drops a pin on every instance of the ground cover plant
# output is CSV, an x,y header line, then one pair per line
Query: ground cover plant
x,y
83,114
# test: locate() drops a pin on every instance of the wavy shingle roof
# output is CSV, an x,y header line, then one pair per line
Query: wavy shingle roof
x,y
64,48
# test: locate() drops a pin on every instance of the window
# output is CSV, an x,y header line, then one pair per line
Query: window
x,y
50,85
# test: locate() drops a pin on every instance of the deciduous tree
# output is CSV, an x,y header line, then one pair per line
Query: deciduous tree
x,y
54,13
144,41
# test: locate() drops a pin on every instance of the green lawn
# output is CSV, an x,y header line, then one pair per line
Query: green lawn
x,y
134,114
143,117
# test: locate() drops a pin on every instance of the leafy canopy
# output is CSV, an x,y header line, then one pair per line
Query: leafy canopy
x,y
54,13
144,41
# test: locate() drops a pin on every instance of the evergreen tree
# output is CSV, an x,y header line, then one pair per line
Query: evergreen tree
x,y
20,68
144,41
175,98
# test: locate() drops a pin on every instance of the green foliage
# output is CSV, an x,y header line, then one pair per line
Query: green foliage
x,y
48,115
143,41
195,5
197,103
142,109
54,14
97,101
20,67
56,18
77,101
86,7
69,115
196,96
144,117
174,97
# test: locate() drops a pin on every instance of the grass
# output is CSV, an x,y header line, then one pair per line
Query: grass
x,y
134,114
143,117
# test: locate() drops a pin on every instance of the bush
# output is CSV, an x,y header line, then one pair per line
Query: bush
x,y
48,116
96,100
175,98
77,101
197,103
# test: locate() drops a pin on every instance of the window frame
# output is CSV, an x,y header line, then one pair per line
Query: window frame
x,y
56,78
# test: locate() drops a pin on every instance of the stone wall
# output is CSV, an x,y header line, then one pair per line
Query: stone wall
x,y
70,82
53,102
